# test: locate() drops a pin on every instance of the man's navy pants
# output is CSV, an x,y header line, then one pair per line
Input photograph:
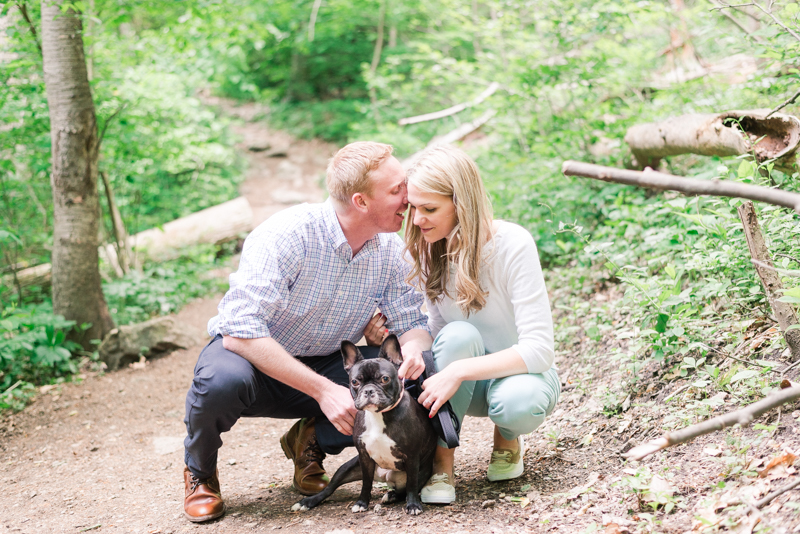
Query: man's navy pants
x,y
226,387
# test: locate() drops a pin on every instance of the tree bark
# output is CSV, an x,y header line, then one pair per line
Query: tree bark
x,y
770,279
77,292
731,133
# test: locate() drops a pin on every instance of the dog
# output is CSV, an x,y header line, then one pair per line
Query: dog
x,y
392,433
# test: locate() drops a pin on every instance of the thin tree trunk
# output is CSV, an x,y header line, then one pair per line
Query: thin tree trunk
x,y
770,279
120,235
77,292
376,59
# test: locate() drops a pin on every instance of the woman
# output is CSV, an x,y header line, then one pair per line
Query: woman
x,y
488,313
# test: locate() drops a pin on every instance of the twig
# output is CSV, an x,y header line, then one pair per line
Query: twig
x,y
684,388
9,390
748,363
795,364
105,125
730,17
765,265
787,256
775,19
790,101
769,497
662,181
741,417
453,109
23,8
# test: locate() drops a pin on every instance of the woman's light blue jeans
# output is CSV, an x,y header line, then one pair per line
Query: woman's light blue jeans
x,y
517,404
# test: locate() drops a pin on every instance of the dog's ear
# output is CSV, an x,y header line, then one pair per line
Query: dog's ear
x,y
351,355
390,350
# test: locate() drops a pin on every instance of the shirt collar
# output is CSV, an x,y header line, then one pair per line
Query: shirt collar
x,y
334,230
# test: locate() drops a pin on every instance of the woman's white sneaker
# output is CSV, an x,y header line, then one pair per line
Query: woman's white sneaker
x,y
438,490
506,464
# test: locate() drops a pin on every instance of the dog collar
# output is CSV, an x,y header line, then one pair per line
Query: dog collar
x,y
393,406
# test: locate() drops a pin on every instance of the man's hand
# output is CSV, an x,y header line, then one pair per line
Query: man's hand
x,y
336,403
438,389
375,332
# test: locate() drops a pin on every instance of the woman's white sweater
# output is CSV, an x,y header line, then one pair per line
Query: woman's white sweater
x,y
517,312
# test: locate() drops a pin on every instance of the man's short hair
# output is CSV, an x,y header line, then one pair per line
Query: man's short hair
x,y
350,169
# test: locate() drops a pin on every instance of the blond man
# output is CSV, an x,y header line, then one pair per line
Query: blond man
x,y
309,277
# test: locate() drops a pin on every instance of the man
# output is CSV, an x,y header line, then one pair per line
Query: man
x,y
309,277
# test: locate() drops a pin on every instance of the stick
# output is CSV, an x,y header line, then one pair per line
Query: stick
x,y
790,101
741,417
773,287
667,182
12,388
451,110
680,390
769,497
452,136
120,235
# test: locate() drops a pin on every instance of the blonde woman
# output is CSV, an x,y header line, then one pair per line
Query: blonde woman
x,y
488,312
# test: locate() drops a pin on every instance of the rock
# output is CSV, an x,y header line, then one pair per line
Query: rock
x,y
259,146
124,345
488,504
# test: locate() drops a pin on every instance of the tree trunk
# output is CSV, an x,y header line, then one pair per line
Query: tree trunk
x,y
77,293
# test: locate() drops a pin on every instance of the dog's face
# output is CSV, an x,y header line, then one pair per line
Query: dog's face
x,y
374,383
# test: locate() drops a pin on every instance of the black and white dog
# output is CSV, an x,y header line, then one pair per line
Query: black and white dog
x,y
392,432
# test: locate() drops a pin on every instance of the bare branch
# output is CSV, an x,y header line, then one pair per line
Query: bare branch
x,y
742,417
790,101
771,496
666,182
452,136
768,12
730,17
105,125
453,109
23,8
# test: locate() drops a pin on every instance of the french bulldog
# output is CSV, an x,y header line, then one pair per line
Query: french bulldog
x,y
392,433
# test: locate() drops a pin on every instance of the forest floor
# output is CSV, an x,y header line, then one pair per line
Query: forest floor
x,y
106,454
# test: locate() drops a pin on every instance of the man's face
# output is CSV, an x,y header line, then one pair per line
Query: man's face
x,y
389,200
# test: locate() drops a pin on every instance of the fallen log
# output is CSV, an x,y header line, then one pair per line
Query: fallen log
x,y
216,224
458,108
741,417
765,134
770,279
667,182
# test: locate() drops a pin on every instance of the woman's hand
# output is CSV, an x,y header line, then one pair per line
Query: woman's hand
x,y
438,388
375,331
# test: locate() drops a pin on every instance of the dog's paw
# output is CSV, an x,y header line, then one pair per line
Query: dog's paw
x,y
413,508
359,507
299,507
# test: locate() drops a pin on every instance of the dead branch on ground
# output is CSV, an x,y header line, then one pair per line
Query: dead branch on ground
x,y
452,136
453,109
731,133
667,182
742,417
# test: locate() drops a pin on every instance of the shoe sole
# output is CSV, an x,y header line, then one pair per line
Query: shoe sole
x,y
288,452
441,500
208,517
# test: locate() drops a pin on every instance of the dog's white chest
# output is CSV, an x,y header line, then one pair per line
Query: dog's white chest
x,y
378,444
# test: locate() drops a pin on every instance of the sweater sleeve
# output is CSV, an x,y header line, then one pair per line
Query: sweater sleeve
x,y
435,320
528,295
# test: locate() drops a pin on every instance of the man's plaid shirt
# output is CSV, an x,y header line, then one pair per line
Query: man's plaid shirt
x,y
299,284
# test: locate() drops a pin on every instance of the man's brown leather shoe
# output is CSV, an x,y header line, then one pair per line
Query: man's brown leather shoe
x,y
203,500
300,445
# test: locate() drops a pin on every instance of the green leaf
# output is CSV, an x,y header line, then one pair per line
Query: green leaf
x,y
746,169
661,323
744,375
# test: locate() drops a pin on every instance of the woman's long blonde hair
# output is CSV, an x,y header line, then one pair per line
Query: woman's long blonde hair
x,y
448,171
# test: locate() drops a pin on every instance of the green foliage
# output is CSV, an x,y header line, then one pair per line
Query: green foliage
x,y
34,349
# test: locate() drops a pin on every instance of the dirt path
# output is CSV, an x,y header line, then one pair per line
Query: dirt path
x,y
106,455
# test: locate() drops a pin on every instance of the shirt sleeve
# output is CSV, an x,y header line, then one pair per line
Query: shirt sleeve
x,y
260,287
526,288
435,320
401,302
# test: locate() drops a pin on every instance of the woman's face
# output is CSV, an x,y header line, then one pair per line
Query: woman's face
x,y
435,214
